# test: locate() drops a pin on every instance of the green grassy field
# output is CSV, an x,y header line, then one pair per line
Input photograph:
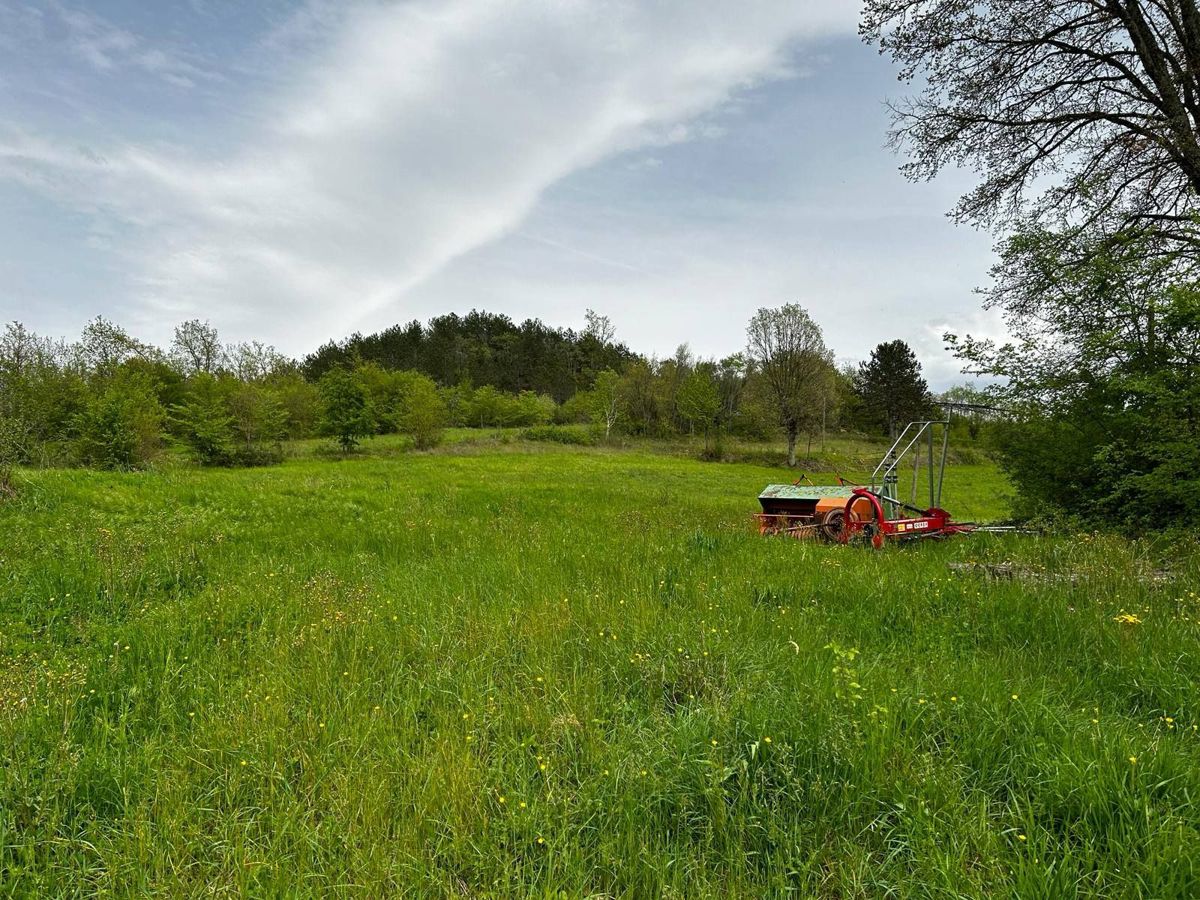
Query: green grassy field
x,y
513,670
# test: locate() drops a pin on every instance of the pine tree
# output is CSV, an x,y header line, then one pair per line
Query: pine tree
x,y
891,388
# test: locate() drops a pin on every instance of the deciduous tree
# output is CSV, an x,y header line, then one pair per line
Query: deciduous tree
x,y
345,413
1093,106
196,348
606,400
422,413
789,350
698,401
1103,371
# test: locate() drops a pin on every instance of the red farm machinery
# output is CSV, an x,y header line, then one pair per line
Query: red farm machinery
x,y
872,512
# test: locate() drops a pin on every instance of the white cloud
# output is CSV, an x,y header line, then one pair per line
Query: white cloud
x,y
416,133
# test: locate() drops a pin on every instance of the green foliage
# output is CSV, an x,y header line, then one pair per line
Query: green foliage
x,y
1104,376
40,398
639,401
535,409
489,407
14,437
575,410
346,413
698,402
970,425
49,385
258,423
203,422
606,398
757,417
557,434
301,402
890,388
196,348
484,348
788,348
422,414
104,345
169,386
457,400
121,425
384,390
227,422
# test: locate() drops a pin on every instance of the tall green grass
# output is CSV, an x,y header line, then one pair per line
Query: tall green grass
x,y
569,672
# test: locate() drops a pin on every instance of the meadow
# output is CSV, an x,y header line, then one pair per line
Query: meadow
x,y
523,670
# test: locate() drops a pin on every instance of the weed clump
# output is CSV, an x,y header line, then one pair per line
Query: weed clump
x,y
557,434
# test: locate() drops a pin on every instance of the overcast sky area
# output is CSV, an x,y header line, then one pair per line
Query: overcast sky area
x,y
294,171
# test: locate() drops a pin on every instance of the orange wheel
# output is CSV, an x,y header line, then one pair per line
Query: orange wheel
x,y
833,523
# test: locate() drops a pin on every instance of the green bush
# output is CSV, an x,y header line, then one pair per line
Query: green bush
x,y
535,409
557,434
575,410
301,402
13,437
346,413
202,421
226,422
1101,376
259,424
422,412
121,426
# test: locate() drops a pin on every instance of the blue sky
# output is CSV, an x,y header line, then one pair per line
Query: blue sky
x,y
293,171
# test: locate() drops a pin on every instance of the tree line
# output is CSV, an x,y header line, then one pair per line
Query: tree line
x,y
109,400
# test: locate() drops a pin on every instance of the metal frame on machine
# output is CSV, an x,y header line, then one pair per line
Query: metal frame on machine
x,y
885,479
886,520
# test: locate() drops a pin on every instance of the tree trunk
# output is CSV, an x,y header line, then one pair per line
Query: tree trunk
x,y
792,434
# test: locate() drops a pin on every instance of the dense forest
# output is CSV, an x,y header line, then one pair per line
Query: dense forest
x,y
483,348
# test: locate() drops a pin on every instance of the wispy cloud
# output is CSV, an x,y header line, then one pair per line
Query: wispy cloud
x,y
108,48
411,134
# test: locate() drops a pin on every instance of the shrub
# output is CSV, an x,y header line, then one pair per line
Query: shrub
x,y
204,424
13,437
575,410
384,389
301,402
557,434
345,411
121,424
535,409
490,407
258,423
422,414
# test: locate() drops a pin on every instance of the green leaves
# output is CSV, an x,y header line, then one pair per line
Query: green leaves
x,y
346,414
1104,375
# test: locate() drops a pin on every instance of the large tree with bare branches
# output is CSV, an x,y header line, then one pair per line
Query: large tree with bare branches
x,y
789,351
196,348
1074,113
